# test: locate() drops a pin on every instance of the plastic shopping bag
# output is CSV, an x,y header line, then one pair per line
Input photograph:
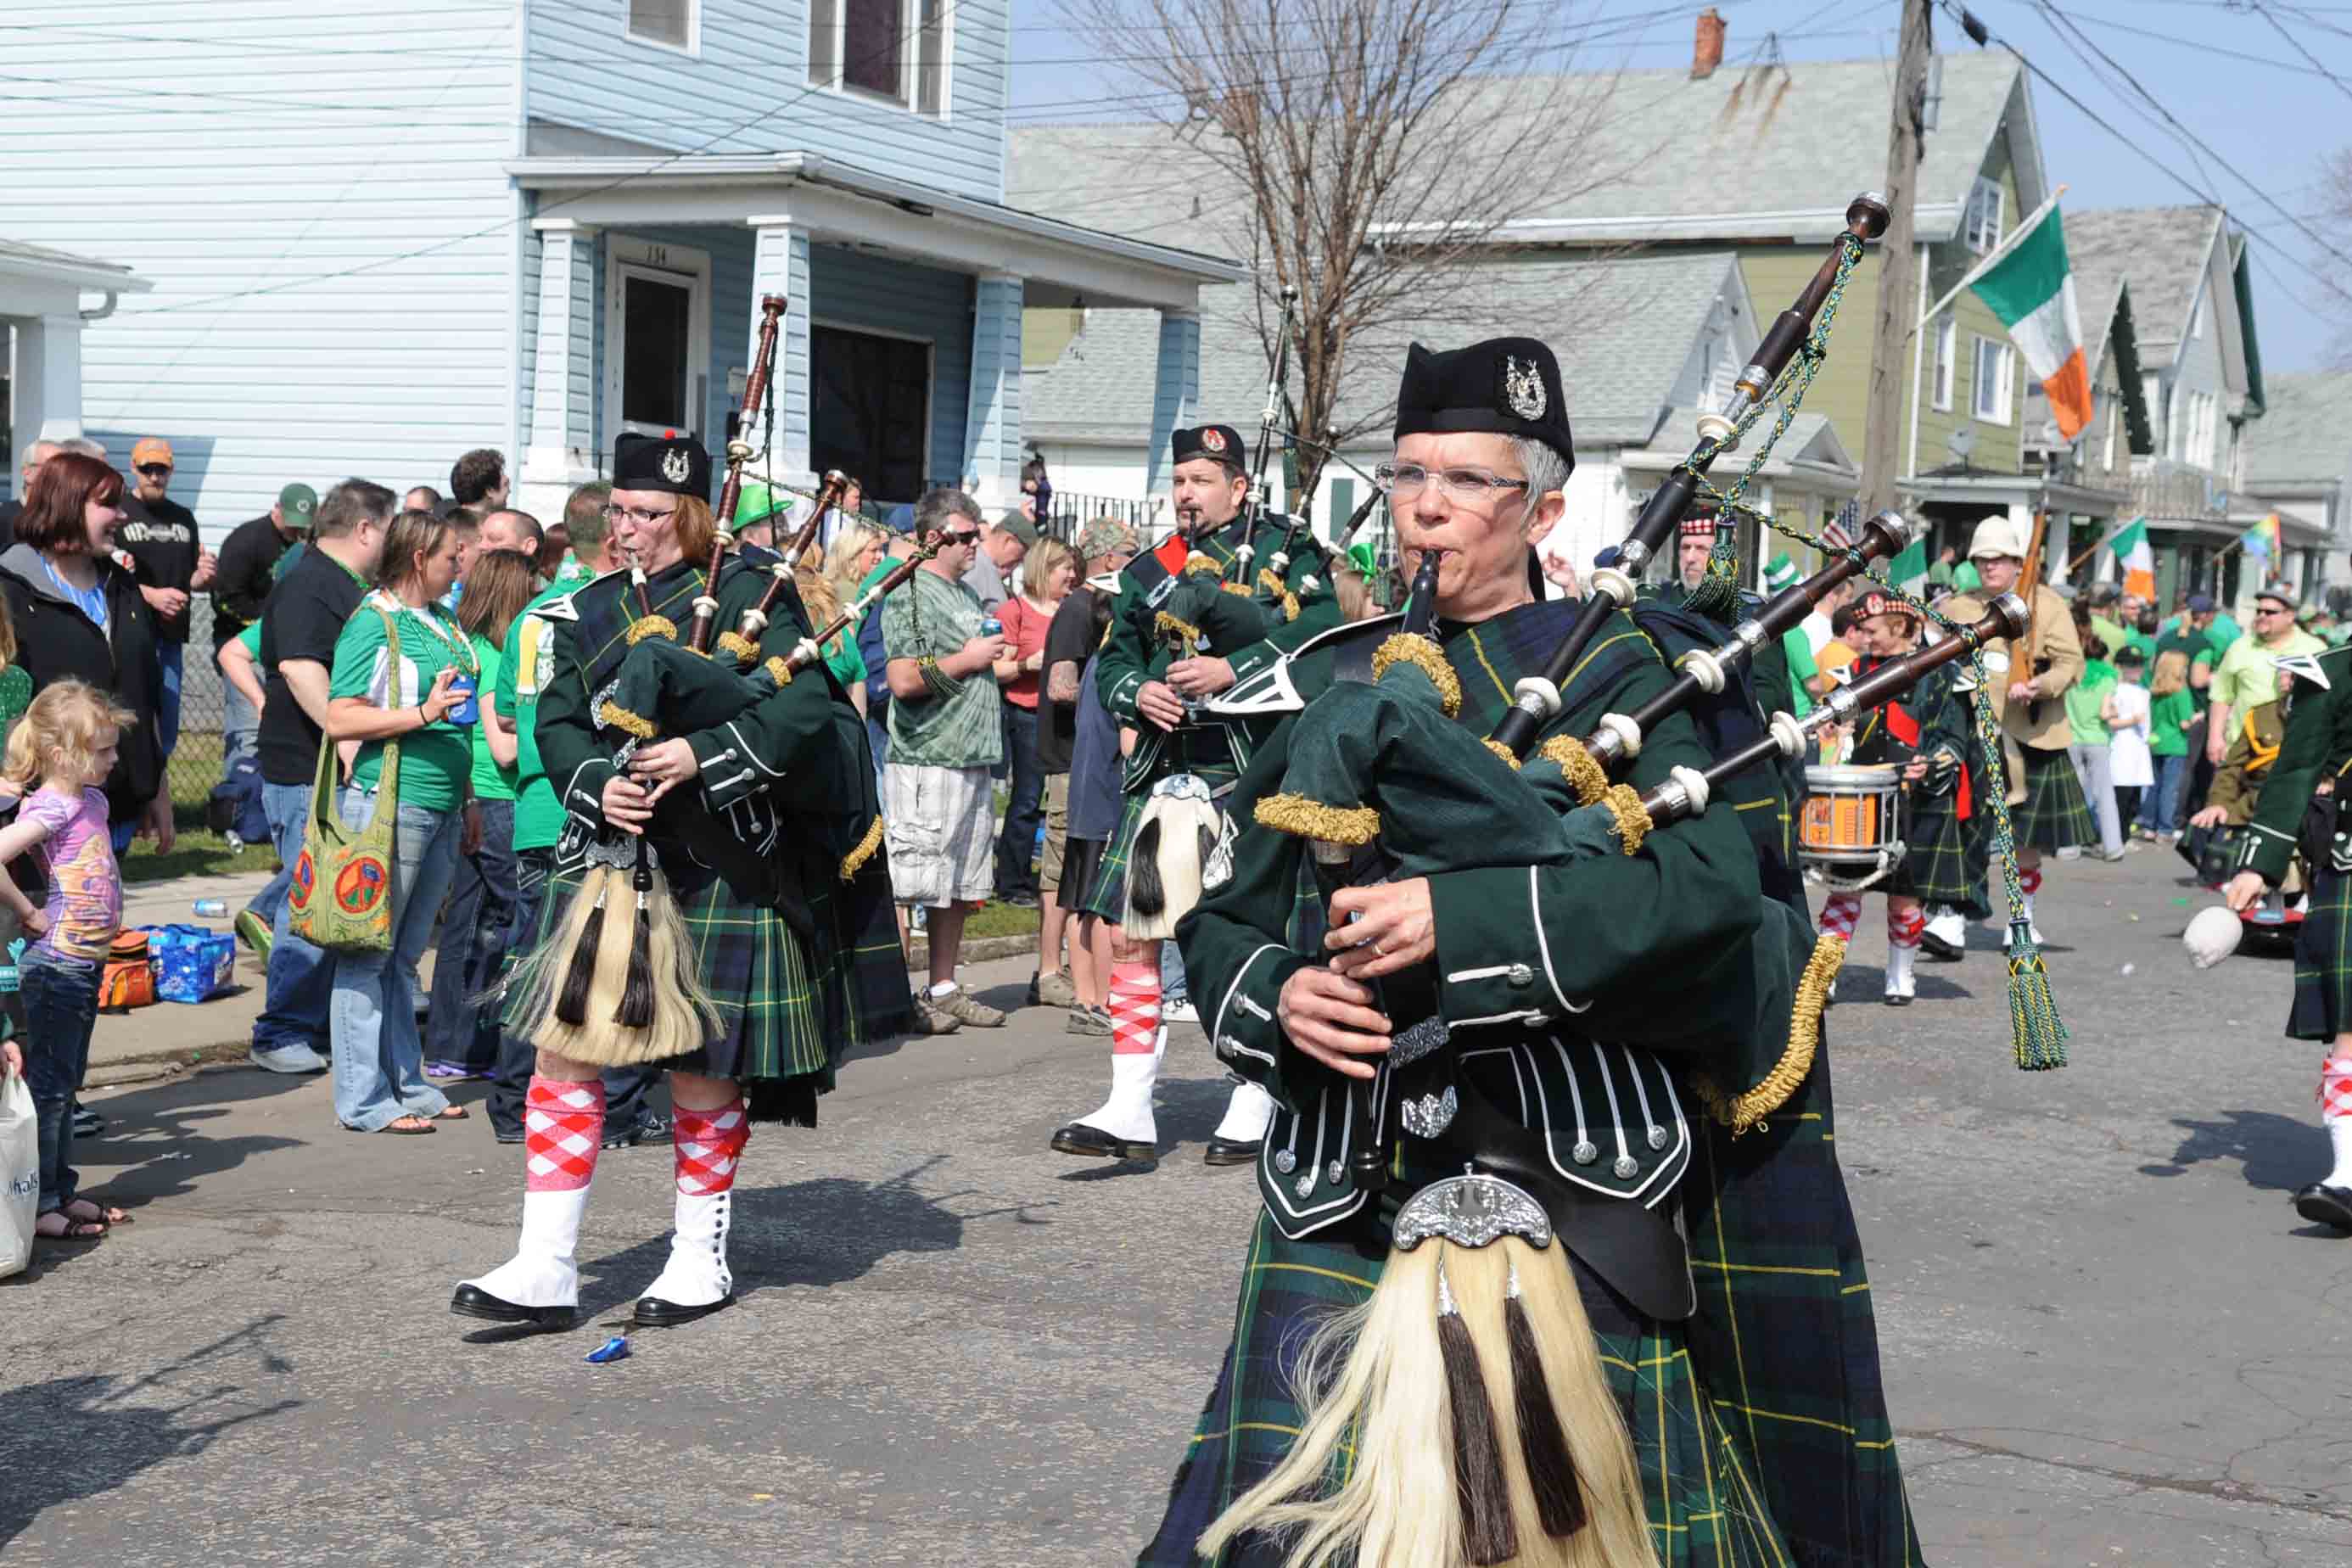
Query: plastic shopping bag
x,y
20,1172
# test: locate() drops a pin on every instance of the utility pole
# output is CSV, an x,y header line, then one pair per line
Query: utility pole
x,y
1899,282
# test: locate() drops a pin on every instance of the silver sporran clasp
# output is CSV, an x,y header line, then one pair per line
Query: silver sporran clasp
x,y
1471,1210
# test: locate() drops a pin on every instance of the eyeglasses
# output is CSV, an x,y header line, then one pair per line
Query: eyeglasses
x,y
1472,487
637,515
156,470
960,536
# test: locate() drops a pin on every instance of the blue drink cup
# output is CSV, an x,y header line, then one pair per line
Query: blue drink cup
x,y
467,710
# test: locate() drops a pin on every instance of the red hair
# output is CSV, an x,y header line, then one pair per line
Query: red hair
x,y
52,522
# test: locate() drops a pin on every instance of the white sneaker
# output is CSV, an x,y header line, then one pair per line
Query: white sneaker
x,y
1182,1012
292,1057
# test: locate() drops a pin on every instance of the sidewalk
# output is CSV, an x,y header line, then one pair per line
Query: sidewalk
x,y
171,1028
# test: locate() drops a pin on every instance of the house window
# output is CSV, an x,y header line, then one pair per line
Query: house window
x,y
895,50
1947,348
666,22
1992,389
870,409
1982,229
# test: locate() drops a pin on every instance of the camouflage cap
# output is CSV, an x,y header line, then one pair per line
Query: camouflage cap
x,y
1106,536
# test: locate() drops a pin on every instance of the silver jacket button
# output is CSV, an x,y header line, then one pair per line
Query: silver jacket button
x,y
1657,1136
1626,1167
1585,1153
1284,1161
1520,975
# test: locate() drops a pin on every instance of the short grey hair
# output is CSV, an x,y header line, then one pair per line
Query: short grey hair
x,y
932,512
84,446
1545,468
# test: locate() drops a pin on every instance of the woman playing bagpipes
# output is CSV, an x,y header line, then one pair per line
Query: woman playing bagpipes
x,y
1465,1333
720,901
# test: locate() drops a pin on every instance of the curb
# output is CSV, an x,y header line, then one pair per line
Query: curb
x,y
978,949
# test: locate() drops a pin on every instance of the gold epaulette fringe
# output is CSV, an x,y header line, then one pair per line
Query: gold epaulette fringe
x,y
1423,654
1585,774
646,626
1743,1113
1633,823
1196,563
855,861
1353,826
613,716
778,670
1275,585
1165,623
744,649
1510,757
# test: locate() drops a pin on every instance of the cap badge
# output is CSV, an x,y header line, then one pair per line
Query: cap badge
x,y
675,467
1213,439
1523,387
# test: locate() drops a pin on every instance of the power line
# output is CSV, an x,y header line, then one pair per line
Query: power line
x,y
2296,45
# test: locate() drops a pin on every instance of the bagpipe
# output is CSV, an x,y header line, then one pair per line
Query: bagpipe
x,y
601,998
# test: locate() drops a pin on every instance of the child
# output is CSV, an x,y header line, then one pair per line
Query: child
x,y
2129,766
2086,702
65,743
2169,713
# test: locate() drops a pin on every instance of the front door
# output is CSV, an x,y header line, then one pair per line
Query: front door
x,y
657,340
870,410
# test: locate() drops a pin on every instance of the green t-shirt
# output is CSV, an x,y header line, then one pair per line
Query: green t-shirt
x,y
524,666
1801,668
434,762
491,782
959,724
2188,641
251,639
2168,718
2086,698
2111,632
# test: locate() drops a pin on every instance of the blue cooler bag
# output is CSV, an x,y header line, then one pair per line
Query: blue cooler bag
x,y
191,964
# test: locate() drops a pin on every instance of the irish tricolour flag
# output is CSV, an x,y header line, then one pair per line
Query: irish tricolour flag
x,y
2028,285
2136,557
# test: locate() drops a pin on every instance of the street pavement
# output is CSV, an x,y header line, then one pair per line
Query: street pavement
x,y
2107,1338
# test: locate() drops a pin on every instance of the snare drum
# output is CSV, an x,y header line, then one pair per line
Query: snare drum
x,y
1849,815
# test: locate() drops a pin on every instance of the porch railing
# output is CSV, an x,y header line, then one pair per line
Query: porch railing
x,y
2170,489
1070,510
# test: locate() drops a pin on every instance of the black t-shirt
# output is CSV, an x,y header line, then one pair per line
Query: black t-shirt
x,y
246,571
161,539
9,514
304,616
1071,639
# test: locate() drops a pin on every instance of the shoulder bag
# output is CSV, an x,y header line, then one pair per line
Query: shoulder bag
x,y
340,896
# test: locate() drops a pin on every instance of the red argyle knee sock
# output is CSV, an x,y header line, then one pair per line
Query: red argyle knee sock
x,y
709,1145
1840,913
1134,1008
563,1128
1904,926
2335,1086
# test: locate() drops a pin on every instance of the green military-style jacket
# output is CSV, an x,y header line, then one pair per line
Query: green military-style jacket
x,y
2318,745
1581,995
1134,651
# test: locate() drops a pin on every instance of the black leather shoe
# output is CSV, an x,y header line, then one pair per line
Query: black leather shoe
x,y
1937,948
652,1313
473,1301
1897,999
2324,1204
1232,1152
1078,1138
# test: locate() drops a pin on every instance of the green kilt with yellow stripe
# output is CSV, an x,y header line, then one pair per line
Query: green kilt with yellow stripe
x,y
1936,855
2054,814
1106,894
1704,1503
2323,959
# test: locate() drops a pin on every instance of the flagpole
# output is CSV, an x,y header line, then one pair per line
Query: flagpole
x,y
1992,259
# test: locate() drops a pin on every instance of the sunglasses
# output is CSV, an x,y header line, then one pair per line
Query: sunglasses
x,y
960,536
156,470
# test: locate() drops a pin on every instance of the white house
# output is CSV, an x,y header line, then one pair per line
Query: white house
x,y
2297,461
387,235
41,323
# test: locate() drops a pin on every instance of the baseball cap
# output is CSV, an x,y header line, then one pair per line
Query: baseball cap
x,y
900,519
150,449
299,503
2200,604
1020,528
1106,536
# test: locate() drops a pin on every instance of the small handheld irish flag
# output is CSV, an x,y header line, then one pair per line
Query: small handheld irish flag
x,y
2136,557
2027,283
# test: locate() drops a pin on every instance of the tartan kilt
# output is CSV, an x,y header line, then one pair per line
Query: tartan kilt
x,y
2323,959
2054,814
1784,1340
1704,1501
1106,893
1938,864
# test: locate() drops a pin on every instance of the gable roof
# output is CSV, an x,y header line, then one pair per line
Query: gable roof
x,y
1757,152
2164,251
2305,435
1624,328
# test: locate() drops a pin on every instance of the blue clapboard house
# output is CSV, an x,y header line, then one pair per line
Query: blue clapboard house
x,y
378,235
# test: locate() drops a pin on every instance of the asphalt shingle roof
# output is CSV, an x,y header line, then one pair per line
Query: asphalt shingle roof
x,y
1623,327
2304,434
2161,250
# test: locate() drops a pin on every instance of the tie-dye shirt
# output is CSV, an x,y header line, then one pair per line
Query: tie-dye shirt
x,y
85,906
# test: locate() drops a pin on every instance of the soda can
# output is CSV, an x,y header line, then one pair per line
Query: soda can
x,y
212,908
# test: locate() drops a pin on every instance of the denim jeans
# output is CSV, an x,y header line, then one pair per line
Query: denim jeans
x,y
301,978
167,703
625,1087
477,928
240,726
877,736
379,1057
61,1006
2159,803
1016,845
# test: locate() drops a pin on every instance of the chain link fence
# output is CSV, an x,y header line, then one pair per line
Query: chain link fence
x,y
194,765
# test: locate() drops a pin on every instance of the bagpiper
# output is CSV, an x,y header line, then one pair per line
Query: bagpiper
x,y
1168,650
743,852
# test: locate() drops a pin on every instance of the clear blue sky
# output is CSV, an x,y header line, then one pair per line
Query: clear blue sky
x,y
2274,118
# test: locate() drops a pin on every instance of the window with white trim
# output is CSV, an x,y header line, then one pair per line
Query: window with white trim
x,y
893,51
1947,350
670,23
1987,202
1994,398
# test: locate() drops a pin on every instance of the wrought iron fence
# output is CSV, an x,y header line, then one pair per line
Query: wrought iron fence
x,y
1068,511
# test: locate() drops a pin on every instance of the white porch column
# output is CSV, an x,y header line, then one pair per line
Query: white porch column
x,y
561,448
1176,395
992,438
46,384
780,265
